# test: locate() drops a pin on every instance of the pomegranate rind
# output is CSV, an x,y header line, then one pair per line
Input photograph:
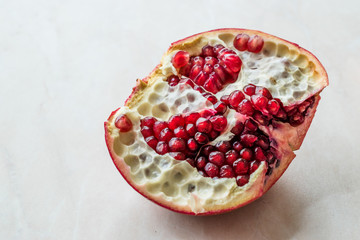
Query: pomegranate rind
x,y
259,183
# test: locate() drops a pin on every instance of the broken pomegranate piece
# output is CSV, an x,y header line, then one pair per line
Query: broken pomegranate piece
x,y
217,122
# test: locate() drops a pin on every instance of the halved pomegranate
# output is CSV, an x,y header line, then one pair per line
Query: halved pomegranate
x,y
215,124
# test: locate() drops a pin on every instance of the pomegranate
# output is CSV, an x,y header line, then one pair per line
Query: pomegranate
x,y
217,122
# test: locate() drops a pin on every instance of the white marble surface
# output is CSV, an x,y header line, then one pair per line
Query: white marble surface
x,y
65,65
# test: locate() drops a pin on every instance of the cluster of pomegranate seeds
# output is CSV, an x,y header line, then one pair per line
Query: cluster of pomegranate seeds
x,y
243,42
182,135
123,123
212,69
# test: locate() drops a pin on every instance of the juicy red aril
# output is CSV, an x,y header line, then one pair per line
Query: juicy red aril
x,y
158,127
248,140
165,135
263,91
259,101
281,114
123,123
220,107
233,62
246,154
208,68
259,154
226,172
217,158
147,131
225,51
208,51
260,118
192,144
241,41
242,180
162,148
211,169
250,125
207,150
195,70
212,99
201,162
223,146
180,59
254,166
213,134
211,60
225,99
249,89
148,122
263,142
235,98
151,141
238,128
180,132
198,61
191,117
201,78
302,108
191,129
210,85
201,138
207,113
173,80
191,161
203,125
217,48
241,166
176,121
231,156
177,144
219,70
273,107
178,155
296,119
255,44
219,122
238,146
245,107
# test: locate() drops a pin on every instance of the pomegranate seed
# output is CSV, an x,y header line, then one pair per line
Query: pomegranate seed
x,y
178,155
264,92
231,156
211,169
241,166
208,68
225,99
151,141
180,59
176,121
201,78
259,101
223,146
220,107
187,81
219,122
273,107
303,107
217,158
260,118
207,150
191,129
245,107
217,48
242,180
198,61
177,144
248,140
146,131
225,51
203,125
238,128
123,123
235,98
250,125
231,76
210,85
191,117
147,121
263,142
213,134
211,60
173,80
233,62
212,99
215,78
281,114
191,161
162,148
259,154
253,166
201,162
219,70
192,144
185,70
226,172
237,146
165,135
202,173
158,127
208,50
195,70
206,113
246,154
255,44
241,41
201,138
180,132
296,119
249,89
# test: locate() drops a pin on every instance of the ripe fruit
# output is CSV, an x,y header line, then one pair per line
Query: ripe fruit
x,y
198,124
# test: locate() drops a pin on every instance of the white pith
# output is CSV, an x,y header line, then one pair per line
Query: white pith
x,y
168,180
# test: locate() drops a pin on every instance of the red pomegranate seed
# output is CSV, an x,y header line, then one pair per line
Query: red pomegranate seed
x,y
146,131
173,80
259,154
207,150
226,172
246,154
201,162
177,144
225,99
260,118
245,107
192,144
210,85
264,92
233,62
180,132
206,113
201,138
263,142
158,127
162,148
238,146
211,60
303,107
255,44
231,76
211,169
180,59
191,129
123,123
241,41
241,166
148,122
203,125
238,128
253,166
219,70
296,119
208,68
198,61
242,180
201,78
178,155
281,114
217,48
219,122
259,101
250,125
213,134
223,146
176,121
191,117
195,70
225,51
187,81
208,50
165,135
231,156
212,99
235,98
217,158
248,140
215,78
249,89
220,107
151,141
273,107
191,161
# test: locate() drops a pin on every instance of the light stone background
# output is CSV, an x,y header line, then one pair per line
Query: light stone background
x,y
65,65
